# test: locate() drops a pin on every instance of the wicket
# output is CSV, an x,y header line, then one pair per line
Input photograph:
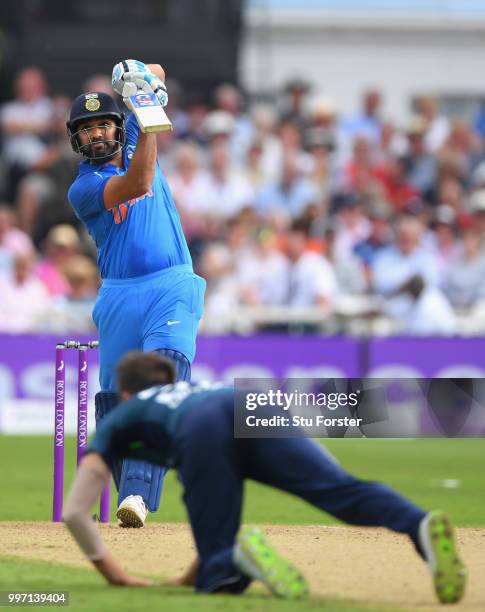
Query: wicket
x,y
82,423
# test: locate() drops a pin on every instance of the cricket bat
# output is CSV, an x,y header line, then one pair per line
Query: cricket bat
x,y
149,113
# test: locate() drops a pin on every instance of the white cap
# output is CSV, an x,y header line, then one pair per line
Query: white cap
x,y
478,175
477,201
219,122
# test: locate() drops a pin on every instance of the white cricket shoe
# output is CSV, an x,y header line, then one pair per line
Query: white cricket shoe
x,y
132,512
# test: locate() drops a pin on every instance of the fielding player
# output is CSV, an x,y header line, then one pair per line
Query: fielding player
x,y
150,299
191,429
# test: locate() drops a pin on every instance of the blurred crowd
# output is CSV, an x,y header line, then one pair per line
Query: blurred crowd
x,y
299,216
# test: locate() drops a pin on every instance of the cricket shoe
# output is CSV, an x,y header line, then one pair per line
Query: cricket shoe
x,y
438,543
132,512
255,558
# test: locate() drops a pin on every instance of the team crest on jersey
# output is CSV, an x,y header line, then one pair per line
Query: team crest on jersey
x,y
130,151
92,104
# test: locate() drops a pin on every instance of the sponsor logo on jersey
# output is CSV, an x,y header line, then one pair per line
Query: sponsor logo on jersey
x,y
121,212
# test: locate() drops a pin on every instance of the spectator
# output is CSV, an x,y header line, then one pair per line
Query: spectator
x,y
379,238
399,263
222,294
176,108
189,185
289,196
83,279
165,145
26,124
392,144
41,196
478,176
437,126
264,119
219,126
351,225
98,82
442,238
291,143
324,122
324,115
463,145
239,232
421,165
12,240
294,101
196,122
450,192
366,124
397,190
311,278
349,273
61,244
229,100
228,191
73,312
359,174
465,279
407,275
479,121
253,168
263,273
476,206
320,144
24,300
430,313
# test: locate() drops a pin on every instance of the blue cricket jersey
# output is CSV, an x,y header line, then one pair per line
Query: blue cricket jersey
x,y
138,237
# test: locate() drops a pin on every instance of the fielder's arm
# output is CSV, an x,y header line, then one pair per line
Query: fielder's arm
x,y
188,578
86,490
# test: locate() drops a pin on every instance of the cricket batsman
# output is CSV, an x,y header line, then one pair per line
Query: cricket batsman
x,y
150,299
192,429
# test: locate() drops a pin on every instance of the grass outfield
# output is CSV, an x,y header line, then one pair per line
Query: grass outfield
x,y
435,473
88,591
441,473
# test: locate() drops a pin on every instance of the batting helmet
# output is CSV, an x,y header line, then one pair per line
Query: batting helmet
x,y
89,105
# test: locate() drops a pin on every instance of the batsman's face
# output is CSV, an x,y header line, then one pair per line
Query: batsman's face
x,y
98,137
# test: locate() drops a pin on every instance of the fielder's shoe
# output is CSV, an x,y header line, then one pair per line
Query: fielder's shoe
x,y
254,557
132,512
438,543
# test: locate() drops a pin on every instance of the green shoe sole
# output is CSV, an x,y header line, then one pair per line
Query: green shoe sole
x,y
257,559
449,573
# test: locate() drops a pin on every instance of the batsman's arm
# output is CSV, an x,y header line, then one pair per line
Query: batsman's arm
x,y
86,490
157,71
139,176
141,171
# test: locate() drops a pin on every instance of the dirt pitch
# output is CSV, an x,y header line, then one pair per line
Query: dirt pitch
x,y
365,565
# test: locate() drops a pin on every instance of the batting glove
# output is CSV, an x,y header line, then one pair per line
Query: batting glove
x,y
127,70
151,85
158,87
130,88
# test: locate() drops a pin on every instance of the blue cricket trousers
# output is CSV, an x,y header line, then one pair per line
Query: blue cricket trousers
x,y
212,466
156,312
